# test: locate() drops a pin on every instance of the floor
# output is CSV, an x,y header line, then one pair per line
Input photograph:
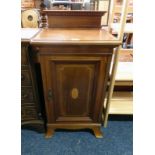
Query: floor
x,y
118,139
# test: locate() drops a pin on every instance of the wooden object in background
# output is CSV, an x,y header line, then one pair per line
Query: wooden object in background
x,y
126,55
104,5
43,16
121,28
31,115
37,4
28,3
121,103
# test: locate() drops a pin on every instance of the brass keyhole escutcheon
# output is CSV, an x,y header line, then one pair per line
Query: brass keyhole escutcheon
x,y
74,93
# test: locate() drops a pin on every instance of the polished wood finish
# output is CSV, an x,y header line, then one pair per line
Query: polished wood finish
x,y
68,126
65,74
66,19
126,55
75,37
75,67
31,114
97,132
49,133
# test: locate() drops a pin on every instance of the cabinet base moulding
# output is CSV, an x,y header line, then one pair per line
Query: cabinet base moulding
x,y
96,128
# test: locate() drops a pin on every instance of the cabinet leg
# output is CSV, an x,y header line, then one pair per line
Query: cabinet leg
x,y
97,132
49,133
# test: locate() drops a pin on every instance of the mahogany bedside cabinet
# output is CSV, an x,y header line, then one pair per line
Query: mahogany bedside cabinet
x,y
75,65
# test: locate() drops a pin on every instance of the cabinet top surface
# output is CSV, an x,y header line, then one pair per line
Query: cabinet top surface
x,y
74,36
28,33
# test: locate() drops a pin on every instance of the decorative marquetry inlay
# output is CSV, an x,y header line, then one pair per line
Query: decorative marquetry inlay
x,y
74,93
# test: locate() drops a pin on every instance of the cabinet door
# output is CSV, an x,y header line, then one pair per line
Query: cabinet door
x,y
73,87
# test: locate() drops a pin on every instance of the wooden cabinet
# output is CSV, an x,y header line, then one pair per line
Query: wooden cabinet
x,y
74,73
31,112
74,57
